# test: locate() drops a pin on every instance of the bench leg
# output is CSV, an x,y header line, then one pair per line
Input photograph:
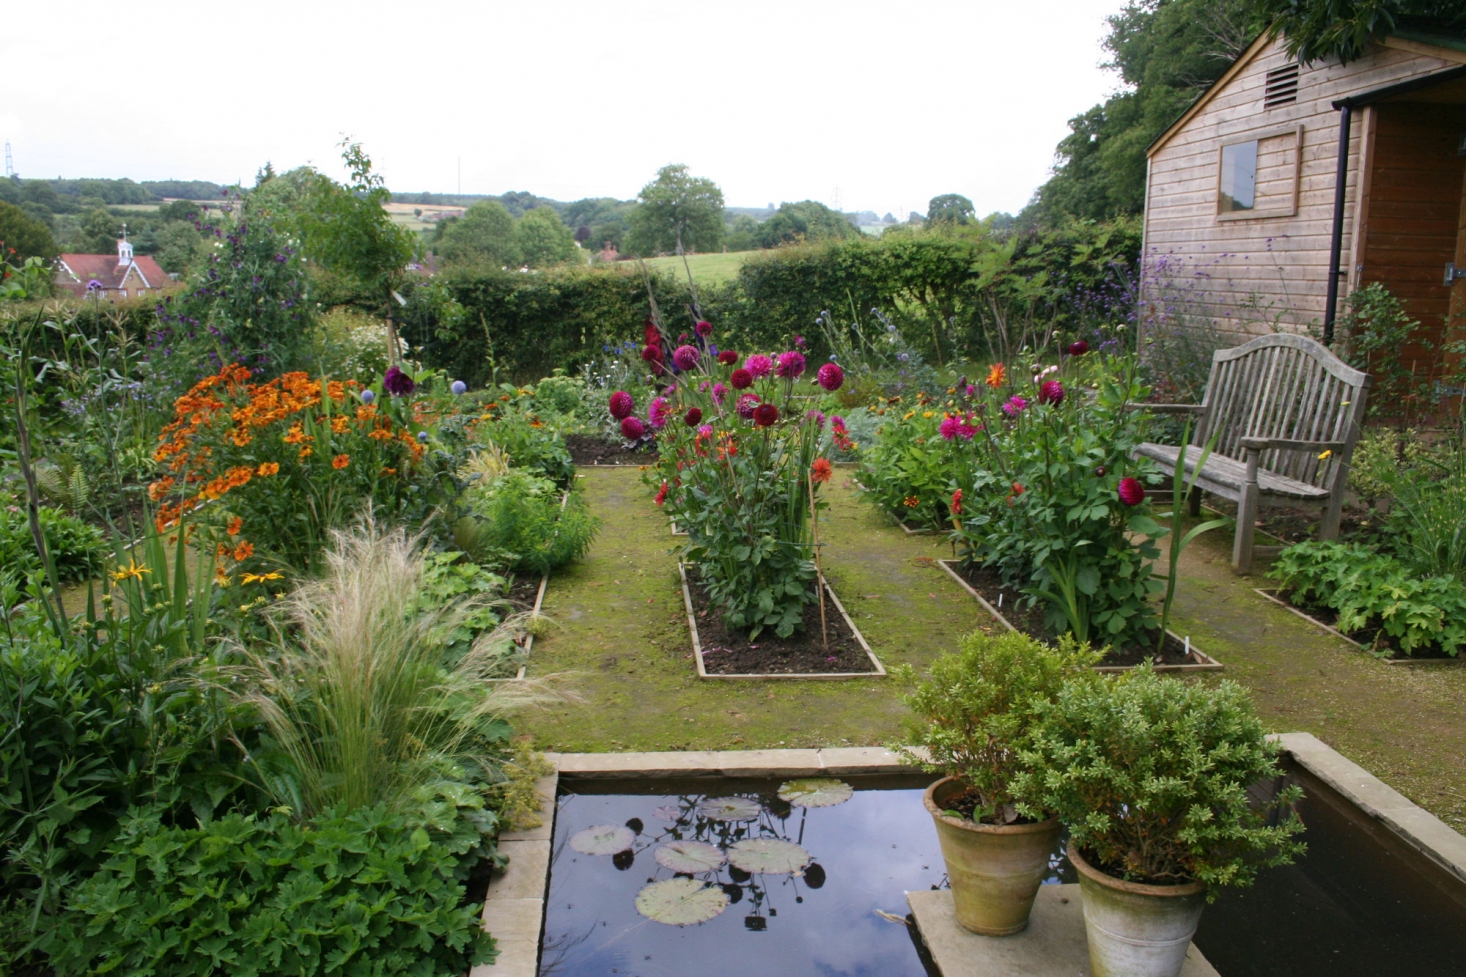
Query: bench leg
x,y
1246,519
1193,502
1332,514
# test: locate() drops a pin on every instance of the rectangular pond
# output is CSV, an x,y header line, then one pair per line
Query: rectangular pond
x,y
721,877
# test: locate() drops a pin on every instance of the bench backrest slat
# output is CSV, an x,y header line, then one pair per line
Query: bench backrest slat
x,y
1289,387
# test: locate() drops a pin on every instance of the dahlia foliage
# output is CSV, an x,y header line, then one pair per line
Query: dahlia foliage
x,y
739,468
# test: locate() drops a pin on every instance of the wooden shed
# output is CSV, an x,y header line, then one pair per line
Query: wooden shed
x,y
1286,186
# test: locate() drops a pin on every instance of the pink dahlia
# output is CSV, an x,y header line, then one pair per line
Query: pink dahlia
x,y
685,358
818,417
758,365
1131,492
1014,405
948,427
632,429
741,379
693,417
791,364
830,376
745,406
719,392
622,406
764,415
657,412
1052,392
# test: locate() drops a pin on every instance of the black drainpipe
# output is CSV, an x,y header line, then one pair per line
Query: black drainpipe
x,y
1336,245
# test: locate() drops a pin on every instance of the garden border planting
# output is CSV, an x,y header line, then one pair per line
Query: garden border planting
x,y
702,672
1202,661
1271,594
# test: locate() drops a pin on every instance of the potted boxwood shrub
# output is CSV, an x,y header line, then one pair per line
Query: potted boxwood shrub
x,y
1151,776
971,720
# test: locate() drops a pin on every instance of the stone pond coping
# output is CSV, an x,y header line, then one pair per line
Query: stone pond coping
x,y
514,910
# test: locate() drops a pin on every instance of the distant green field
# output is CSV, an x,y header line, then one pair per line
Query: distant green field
x,y
713,269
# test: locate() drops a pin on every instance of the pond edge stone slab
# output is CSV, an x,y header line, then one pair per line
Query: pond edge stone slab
x,y
1053,945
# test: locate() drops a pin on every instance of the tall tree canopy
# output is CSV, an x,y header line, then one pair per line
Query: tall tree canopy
x,y
951,208
808,220
677,203
1343,29
25,235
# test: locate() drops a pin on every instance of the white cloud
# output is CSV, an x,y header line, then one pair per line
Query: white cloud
x,y
774,99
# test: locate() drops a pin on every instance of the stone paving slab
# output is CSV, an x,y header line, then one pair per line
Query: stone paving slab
x,y
838,761
514,908
1053,945
1414,825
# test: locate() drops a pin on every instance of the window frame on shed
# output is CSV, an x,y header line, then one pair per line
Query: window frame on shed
x,y
1296,174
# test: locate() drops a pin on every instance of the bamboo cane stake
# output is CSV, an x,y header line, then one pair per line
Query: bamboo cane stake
x,y
814,523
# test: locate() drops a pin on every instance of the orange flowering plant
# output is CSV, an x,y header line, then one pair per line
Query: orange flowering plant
x,y
286,460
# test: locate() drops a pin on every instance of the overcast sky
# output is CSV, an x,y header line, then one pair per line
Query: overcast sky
x,y
884,104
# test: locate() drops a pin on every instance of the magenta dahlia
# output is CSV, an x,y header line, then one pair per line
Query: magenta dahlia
x,y
704,328
397,383
764,415
632,428
727,357
830,376
622,406
745,406
759,365
1131,492
791,364
741,379
657,412
1078,348
693,417
1052,392
685,358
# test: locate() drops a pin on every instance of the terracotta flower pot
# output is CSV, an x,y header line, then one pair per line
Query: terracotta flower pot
x,y
1136,930
995,870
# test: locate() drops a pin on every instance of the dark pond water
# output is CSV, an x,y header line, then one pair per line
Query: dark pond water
x,y
1359,903
866,853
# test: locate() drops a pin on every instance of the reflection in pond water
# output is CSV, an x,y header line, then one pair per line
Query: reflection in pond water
x,y
739,878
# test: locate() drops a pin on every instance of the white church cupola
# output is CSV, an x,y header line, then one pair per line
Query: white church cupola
x,y
124,250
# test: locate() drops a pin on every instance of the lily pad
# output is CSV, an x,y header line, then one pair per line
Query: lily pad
x,y
602,839
816,792
689,856
768,856
730,809
668,813
681,902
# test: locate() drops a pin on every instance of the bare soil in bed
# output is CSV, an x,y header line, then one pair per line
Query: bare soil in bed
x,y
1030,620
728,651
590,449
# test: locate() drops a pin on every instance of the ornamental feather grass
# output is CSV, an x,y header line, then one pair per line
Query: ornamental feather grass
x,y
354,691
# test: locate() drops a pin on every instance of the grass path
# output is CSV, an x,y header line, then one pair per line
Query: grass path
x,y
619,638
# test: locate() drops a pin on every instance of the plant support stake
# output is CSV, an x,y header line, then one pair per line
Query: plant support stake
x,y
814,526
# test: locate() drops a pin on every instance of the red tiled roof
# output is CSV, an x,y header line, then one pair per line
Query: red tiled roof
x,y
105,269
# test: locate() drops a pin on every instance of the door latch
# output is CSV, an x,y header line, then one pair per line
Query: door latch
x,y
1453,274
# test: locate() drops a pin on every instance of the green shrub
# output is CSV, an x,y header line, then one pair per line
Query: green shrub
x,y
1151,776
78,548
1369,589
449,579
354,892
978,710
518,518
530,443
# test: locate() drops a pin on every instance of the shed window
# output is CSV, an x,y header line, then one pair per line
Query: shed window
x,y
1239,177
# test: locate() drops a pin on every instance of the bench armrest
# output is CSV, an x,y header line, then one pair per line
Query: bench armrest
x,y
1285,444
1167,408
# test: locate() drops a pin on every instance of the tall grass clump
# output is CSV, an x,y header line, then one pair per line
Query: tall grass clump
x,y
355,693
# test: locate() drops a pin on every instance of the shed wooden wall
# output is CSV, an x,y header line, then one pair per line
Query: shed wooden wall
x,y
1245,275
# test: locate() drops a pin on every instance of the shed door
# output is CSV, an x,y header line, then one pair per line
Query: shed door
x,y
1456,318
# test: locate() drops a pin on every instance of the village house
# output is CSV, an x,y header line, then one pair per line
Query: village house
x,y
1286,186
118,276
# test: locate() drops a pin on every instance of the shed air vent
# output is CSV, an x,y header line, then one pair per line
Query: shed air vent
x,y
1282,86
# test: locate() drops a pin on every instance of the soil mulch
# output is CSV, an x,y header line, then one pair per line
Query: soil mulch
x,y
523,591
1030,620
1374,640
731,652
590,449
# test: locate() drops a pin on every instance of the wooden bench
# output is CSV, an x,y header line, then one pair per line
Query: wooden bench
x,y
1286,413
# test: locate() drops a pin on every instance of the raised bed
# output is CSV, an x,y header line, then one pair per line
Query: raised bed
x,y
1274,595
1194,660
839,622
528,642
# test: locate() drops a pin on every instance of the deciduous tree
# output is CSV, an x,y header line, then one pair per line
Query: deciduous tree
x,y
677,207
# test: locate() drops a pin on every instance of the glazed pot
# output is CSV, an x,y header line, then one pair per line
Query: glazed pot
x,y
1136,930
995,870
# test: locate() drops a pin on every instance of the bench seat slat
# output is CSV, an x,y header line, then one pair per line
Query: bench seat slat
x,y
1228,474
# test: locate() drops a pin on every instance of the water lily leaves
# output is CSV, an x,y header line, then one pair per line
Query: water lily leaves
x,y
680,902
816,792
602,839
668,813
689,856
730,809
768,856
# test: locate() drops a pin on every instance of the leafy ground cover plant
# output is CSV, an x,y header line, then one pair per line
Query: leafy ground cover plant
x,y
512,424
519,521
1151,777
1373,590
77,548
353,891
978,709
